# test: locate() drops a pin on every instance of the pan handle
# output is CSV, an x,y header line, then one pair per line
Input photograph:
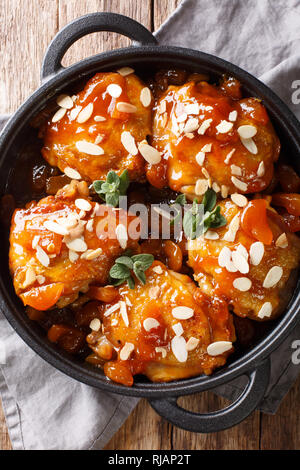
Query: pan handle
x,y
87,24
221,419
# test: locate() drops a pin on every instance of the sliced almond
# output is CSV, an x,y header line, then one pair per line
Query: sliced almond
x,y
162,107
200,157
92,254
65,101
216,187
99,118
224,191
201,187
178,346
85,113
236,170
240,262
273,277
35,242
239,199
192,343
124,107
149,153
233,116
98,139
122,236
112,309
239,184
150,324
250,145
89,148
59,115
218,347
257,251
157,270
266,310
73,256
228,156
83,205
123,312
124,71
182,313
114,90
126,351
74,113
224,127
205,173
30,277
177,328
128,143
76,244
154,292
204,126
242,284
145,97
192,108
232,229
42,256
211,235
71,173
224,257
40,279
55,227
182,117
282,241
161,350
247,131
95,324
206,148
243,251
261,170
191,125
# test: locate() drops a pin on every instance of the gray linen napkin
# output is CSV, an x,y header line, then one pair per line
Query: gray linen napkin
x,y
45,409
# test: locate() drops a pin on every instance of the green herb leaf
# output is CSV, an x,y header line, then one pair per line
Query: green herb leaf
x,y
214,219
112,199
112,177
144,260
130,282
114,187
139,274
181,200
126,261
124,265
119,271
209,200
124,182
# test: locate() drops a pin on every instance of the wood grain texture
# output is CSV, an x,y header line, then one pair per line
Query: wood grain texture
x,y
26,28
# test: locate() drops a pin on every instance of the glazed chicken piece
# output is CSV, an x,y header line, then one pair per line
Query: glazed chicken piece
x,y
101,129
61,244
162,329
209,136
249,261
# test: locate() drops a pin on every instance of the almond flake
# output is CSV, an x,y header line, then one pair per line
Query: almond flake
x,y
261,170
74,113
182,313
257,250
240,262
191,125
149,153
73,256
124,71
177,328
205,173
189,135
224,257
76,244
232,229
40,279
161,350
162,107
114,90
242,284
112,309
124,107
145,97
89,148
30,277
178,346
42,256
85,113
224,191
211,235
206,148
239,184
247,131
123,312
273,277
250,145
59,114
126,351
99,118
150,323
200,157
266,310
122,237
224,127
71,173
89,225
55,227
243,251
95,324
192,108
204,126
282,241
128,143
236,170
65,101
228,156
201,187
239,199
83,205
35,242
182,117
92,254
157,270
233,116
98,139
154,292
216,187
218,347
192,343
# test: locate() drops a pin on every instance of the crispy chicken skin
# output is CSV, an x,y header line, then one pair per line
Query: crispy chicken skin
x,y
254,226
103,126
199,117
47,267
163,291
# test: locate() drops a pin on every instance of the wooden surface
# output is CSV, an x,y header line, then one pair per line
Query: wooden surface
x,y
26,27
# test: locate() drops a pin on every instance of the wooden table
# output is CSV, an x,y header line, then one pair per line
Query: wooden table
x,y
27,26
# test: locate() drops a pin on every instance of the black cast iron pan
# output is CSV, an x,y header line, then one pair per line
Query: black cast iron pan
x,y
145,55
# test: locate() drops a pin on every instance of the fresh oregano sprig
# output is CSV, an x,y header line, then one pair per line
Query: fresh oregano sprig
x,y
125,265
180,200
194,225
114,187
